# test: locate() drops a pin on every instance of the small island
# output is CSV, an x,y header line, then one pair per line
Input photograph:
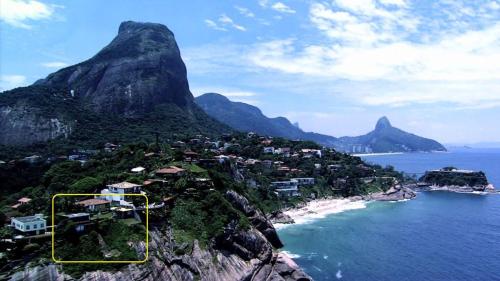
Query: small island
x,y
455,180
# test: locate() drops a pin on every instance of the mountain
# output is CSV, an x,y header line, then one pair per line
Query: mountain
x,y
134,86
386,138
245,117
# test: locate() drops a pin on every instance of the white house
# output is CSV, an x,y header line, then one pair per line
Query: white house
x,y
115,192
286,188
269,149
138,170
29,225
305,181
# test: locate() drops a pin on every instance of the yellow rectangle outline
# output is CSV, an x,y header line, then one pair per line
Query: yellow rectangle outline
x,y
99,194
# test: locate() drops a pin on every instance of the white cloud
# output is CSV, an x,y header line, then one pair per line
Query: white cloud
x,y
17,12
245,11
8,82
223,22
214,25
263,3
55,64
282,8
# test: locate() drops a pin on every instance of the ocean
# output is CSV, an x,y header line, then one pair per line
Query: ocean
x,y
437,236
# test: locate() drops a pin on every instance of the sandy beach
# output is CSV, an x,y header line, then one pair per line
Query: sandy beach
x,y
320,208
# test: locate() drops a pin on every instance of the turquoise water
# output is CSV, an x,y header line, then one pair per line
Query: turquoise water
x,y
438,236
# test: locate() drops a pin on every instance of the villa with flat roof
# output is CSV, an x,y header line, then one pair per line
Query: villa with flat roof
x,y
29,225
115,192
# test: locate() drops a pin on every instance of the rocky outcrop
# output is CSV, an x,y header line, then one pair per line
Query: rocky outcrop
x,y
139,79
139,69
395,193
257,218
459,188
21,125
280,217
237,254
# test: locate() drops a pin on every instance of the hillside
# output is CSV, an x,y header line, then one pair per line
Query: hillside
x,y
132,88
246,118
386,138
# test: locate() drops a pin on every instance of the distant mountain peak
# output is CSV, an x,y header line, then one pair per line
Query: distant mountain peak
x,y
383,123
133,26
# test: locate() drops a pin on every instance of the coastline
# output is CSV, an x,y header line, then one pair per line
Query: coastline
x,y
320,208
376,154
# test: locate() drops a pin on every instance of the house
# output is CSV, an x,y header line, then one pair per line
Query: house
x,y
286,189
285,151
29,225
108,147
123,213
305,181
283,170
21,201
170,172
190,156
334,167
267,142
311,152
95,204
115,192
32,159
138,170
222,158
269,149
267,163
178,144
81,220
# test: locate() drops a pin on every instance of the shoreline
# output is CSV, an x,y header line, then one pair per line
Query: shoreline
x,y
320,208
376,154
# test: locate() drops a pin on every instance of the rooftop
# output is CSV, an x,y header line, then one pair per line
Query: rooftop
x,y
170,170
37,217
94,201
24,200
124,185
76,215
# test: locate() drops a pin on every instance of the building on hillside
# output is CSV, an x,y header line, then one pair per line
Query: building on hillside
x,y
20,202
285,189
269,149
81,220
138,170
267,164
170,172
109,147
305,181
115,192
311,152
95,204
29,225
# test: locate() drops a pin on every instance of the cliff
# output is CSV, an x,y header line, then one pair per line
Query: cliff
x,y
139,78
236,255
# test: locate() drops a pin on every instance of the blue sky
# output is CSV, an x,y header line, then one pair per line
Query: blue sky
x,y
432,67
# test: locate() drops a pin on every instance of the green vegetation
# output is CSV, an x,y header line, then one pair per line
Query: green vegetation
x,y
449,176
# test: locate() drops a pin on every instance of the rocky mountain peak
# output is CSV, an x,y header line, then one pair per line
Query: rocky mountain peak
x,y
139,69
383,123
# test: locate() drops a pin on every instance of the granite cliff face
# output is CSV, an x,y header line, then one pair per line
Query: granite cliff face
x,y
139,79
140,68
236,255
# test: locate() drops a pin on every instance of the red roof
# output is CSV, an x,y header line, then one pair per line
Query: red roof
x,y
94,201
24,200
170,170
